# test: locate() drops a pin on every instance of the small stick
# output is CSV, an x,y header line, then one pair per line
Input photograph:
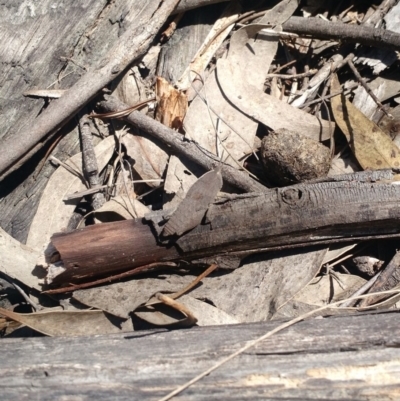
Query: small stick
x,y
91,170
191,285
284,66
362,290
70,169
109,279
294,76
189,149
123,113
49,150
190,320
367,88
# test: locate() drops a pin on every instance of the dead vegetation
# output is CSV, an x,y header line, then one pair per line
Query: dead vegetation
x,y
234,163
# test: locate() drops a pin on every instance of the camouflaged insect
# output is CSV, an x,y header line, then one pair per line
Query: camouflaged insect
x,y
191,210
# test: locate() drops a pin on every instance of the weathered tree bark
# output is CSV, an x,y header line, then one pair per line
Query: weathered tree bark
x,y
313,360
49,46
132,45
59,61
293,216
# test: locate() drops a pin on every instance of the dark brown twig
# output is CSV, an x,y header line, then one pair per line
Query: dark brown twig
x,y
361,80
178,144
110,279
90,168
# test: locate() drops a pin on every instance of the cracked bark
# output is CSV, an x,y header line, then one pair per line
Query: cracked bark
x,y
132,45
294,216
315,359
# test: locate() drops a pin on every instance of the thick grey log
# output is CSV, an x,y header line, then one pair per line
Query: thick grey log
x,y
339,358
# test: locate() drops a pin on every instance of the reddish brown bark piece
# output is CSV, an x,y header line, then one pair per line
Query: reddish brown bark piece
x,y
191,210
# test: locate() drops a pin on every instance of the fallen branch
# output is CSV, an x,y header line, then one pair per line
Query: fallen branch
x,y
296,216
363,34
345,357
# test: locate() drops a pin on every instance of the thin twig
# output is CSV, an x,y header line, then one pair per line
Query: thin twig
x,y
190,149
294,76
191,285
90,167
121,162
110,279
209,108
70,169
123,113
361,80
362,290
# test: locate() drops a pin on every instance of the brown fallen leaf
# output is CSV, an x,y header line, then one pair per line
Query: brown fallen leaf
x,y
372,148
70,323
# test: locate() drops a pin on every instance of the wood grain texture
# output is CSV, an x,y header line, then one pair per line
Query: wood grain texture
x,y
35,40
297,216
130,47
339,358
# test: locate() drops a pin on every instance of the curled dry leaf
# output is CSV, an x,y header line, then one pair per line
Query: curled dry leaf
x,y
70,323
372,148
53,213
